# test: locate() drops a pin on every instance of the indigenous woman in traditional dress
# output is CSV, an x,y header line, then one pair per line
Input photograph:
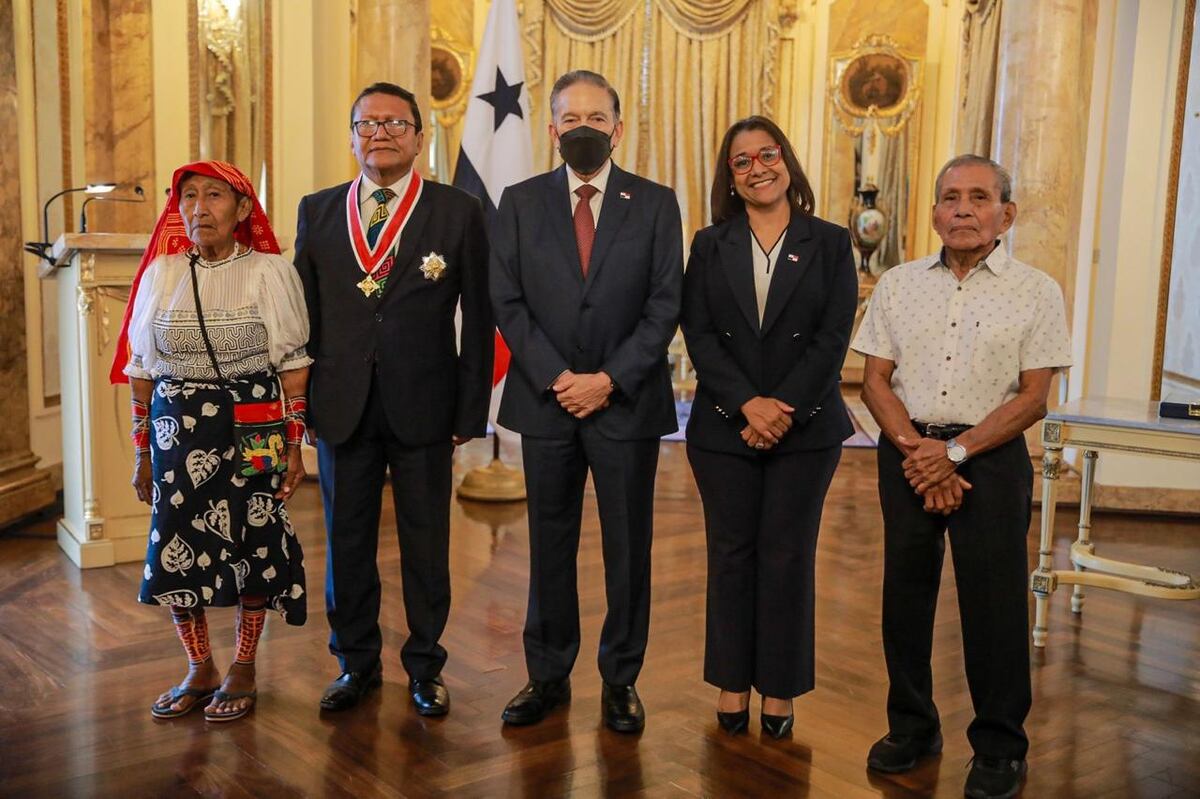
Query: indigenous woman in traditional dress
x,y
214,349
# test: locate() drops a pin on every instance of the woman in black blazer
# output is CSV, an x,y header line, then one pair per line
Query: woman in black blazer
x,y
768,303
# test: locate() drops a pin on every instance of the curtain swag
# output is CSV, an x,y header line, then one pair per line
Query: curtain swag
x,y
592,20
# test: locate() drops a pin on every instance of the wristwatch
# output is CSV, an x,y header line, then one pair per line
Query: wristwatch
x,y
956,452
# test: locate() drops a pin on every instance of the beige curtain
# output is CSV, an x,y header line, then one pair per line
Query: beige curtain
x,y
231,81
981,35
893,197
685,70
617,56
699,86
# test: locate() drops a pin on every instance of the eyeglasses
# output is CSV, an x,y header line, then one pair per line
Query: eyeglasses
x,y
767,156
395,128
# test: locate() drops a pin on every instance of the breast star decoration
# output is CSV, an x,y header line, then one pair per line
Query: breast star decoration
x,y
433,266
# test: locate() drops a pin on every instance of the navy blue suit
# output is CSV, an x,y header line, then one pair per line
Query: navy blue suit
x,y
618,320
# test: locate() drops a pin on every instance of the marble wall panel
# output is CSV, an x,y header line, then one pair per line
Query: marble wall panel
x,y
119,109
14,403
391,38
1040,126
22,488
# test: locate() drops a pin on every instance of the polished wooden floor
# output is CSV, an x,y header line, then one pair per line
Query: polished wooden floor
x,y
1116,709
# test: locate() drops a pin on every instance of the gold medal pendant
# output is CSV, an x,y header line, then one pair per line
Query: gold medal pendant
x,y
368,286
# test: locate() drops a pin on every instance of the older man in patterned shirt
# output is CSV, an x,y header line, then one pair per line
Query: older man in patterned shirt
x,y
960,350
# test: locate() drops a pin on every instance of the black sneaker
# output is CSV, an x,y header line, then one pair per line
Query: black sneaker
x,y
995,778
893,754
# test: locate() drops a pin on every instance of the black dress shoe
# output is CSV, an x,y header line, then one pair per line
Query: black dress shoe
x,y
777,726
734,722
346,691
994,778
893,754
535,700
622,709
430,696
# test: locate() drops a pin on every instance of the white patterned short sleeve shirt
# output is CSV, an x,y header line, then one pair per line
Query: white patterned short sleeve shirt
x,y
960,346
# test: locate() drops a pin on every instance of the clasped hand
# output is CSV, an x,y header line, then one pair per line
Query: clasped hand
x,y
932,475
581,395
769,419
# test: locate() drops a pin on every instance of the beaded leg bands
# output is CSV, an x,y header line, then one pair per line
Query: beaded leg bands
x,y
192,628
251,619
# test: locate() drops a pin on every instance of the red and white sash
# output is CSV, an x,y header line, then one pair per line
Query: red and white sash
x,y
370,258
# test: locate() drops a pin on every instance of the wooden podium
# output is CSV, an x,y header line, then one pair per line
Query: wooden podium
x,y
103,523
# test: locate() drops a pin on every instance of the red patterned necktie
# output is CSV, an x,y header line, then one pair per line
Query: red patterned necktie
x,y
585,224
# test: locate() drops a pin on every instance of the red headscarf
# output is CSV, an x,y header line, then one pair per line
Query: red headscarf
x,y
170,237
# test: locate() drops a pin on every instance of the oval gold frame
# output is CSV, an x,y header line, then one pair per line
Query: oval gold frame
x,y
454,104
849,112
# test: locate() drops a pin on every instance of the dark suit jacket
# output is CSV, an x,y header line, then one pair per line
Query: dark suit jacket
x,y
430,390
620,320
795,356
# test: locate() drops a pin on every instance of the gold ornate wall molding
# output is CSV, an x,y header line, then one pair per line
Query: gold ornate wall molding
x,y
64,102
1168,251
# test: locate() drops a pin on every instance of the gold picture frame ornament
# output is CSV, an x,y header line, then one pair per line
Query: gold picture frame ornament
x,y
876,85
452,68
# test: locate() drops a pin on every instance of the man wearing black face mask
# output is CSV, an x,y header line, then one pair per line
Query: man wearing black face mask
x,y
586,277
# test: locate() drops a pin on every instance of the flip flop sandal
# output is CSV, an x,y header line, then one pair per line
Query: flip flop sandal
x,y
163,710
233,715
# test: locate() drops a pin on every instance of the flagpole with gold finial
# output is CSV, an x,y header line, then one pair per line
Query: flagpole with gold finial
x,y
496,482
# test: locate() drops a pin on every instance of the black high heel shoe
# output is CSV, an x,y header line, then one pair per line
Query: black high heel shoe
x,y
777,726
735,722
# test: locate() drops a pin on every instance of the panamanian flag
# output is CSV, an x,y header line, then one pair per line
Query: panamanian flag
x,y
497,150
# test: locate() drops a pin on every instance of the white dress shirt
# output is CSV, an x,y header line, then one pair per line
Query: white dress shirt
x,y
600,182
960,346
367,203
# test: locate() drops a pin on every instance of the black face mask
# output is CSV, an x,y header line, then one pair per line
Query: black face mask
x,y
585,149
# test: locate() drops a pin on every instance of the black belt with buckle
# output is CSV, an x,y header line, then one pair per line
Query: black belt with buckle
x,y
942,432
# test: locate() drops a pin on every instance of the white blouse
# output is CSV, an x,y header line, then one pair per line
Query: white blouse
x,y
764,268
253,308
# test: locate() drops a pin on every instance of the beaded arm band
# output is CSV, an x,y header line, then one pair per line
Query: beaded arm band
x,y
140,431
295,408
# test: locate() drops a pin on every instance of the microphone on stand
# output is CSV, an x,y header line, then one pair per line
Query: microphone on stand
x,y
141,198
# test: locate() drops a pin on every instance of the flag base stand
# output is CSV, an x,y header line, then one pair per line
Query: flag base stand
x,y
496,482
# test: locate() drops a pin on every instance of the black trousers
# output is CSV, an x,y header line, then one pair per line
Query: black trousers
x,y
991,571
623,474
352,477
762,513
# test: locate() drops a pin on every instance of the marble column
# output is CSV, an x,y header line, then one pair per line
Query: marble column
x,y
23,488
391,42
1043,87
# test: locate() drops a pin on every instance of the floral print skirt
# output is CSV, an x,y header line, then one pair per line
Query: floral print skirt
x,y
215,534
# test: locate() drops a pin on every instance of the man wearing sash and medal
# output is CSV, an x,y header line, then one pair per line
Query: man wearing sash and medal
x,y
385,261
